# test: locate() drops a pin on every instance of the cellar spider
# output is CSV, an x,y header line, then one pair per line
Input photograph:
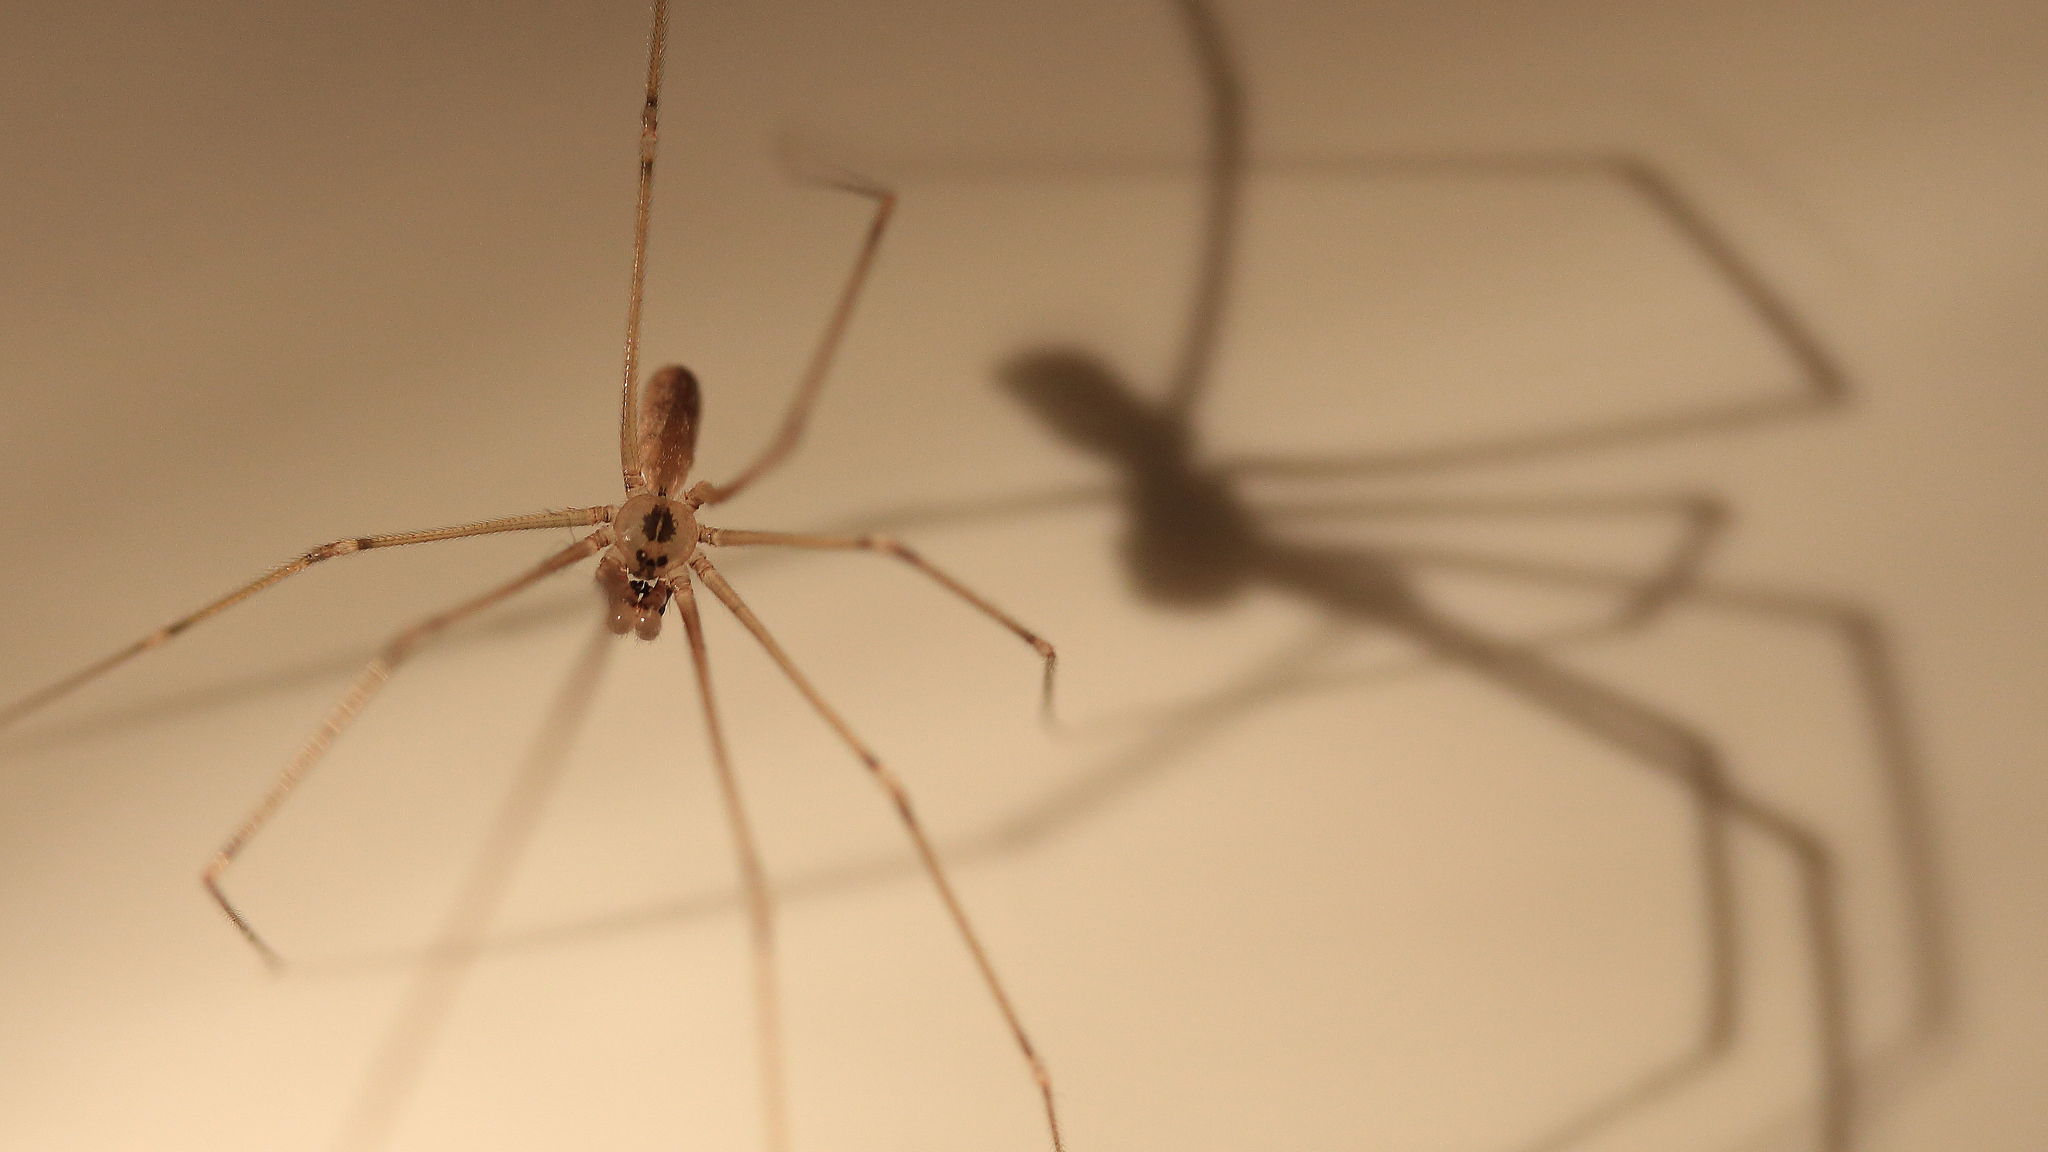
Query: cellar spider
x,y
651,551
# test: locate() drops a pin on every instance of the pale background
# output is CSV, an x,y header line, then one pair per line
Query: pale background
x,y
280,273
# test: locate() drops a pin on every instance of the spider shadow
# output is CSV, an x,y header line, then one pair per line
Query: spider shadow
x,y
1192,539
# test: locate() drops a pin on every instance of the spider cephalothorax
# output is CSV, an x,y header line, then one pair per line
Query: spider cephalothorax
x,y
653,537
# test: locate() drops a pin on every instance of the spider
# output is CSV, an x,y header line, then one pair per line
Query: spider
x,y
651,551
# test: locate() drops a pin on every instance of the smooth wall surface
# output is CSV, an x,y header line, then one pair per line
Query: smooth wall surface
x,y
282,273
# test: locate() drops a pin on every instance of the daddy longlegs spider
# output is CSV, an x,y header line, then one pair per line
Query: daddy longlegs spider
x,y
650,553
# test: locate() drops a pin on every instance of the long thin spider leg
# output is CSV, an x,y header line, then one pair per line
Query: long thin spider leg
x,y
367,684
570,518
1701,515
899,797
754,882
650,109
1026,504
940,513
813,379
890,546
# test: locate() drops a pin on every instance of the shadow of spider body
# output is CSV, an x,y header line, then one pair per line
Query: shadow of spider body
x,y
1191,539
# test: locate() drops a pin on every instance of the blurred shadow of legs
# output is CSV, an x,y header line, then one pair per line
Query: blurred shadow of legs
x,y
401,1056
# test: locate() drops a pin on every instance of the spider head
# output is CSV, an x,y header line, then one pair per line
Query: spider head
x,y
652,538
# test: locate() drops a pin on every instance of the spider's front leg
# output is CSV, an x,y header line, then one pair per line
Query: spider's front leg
x,y
368,683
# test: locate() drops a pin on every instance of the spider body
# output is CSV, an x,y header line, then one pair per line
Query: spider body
x,y
654,535
648,552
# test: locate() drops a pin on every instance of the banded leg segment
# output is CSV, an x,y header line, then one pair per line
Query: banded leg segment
x,y
890,546
643,204
366,686
569,518
754,882
900,798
